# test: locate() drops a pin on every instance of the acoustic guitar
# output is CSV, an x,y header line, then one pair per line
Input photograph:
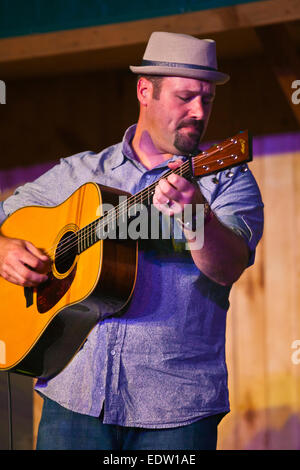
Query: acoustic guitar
x,y
91,277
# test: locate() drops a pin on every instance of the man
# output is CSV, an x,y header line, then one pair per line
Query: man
x,y
156,377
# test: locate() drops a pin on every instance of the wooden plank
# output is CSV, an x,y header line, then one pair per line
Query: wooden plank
x,y
284,60
245,350
21,409
280,299
263,321
129,34
228,428
296,301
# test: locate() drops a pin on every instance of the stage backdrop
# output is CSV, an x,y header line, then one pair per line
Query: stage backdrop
x,y
263,332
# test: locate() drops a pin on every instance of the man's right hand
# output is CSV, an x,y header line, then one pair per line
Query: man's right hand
x,y
22,263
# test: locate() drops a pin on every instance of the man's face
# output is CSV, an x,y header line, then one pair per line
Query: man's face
x,y
178,119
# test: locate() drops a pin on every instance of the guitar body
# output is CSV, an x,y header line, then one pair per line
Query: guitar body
x,y
42,328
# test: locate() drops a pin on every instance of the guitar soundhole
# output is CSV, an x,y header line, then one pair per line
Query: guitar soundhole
x,y
66,252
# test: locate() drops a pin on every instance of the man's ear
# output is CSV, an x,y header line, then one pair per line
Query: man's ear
x,y
144,91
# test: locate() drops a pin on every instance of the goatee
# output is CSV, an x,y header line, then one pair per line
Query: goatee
x,y
188,143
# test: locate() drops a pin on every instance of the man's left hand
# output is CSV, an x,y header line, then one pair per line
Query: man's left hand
x,y
174,191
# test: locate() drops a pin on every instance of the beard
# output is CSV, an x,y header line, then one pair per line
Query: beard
x,y
188,143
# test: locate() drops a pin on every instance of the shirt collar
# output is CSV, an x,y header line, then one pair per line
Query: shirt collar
x,y
128,152
126,149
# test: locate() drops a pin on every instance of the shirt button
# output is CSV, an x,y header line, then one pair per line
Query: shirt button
x,y
112,352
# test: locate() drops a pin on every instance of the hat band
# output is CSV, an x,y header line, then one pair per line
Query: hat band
x,y
176,64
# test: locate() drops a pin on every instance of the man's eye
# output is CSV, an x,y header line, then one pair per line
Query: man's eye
x,y
205,100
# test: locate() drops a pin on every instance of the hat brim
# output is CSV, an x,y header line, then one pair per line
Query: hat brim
x,y
212,76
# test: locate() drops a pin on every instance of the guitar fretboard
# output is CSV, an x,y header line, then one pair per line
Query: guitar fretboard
x,y
96,230
229,153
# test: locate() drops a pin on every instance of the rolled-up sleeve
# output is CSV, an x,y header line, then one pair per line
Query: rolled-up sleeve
x,y
238,205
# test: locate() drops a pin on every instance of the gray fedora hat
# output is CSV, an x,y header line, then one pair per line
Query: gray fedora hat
x,y
181,55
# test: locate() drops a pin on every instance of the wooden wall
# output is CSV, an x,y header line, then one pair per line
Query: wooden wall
x,y
264,321
46,118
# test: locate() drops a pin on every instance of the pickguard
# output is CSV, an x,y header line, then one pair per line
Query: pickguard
x,y
50,292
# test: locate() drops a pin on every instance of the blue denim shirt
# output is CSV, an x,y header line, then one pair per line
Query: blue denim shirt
x,y
162,364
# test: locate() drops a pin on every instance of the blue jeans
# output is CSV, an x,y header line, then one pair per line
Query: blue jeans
x,y
62,429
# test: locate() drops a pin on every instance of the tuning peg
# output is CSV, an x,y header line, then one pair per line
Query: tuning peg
x,y
244,169
229,174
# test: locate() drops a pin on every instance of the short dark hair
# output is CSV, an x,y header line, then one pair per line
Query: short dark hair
x,y
156,81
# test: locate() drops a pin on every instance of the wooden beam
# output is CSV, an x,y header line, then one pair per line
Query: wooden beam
x,y
284,60
107,37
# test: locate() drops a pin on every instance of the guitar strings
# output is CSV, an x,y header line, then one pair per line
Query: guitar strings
x,y
116,211
126,203
113,214
87,232
105,219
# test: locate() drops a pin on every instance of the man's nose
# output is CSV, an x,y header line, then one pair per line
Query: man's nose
x,y
197,110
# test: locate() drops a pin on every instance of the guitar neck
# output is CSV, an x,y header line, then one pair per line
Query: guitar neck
x,y
231,152
89,235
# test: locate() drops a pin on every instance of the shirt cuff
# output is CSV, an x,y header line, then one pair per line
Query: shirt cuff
x,y
240,227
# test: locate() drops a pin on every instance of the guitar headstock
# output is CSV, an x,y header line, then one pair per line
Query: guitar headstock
x,y
229,153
